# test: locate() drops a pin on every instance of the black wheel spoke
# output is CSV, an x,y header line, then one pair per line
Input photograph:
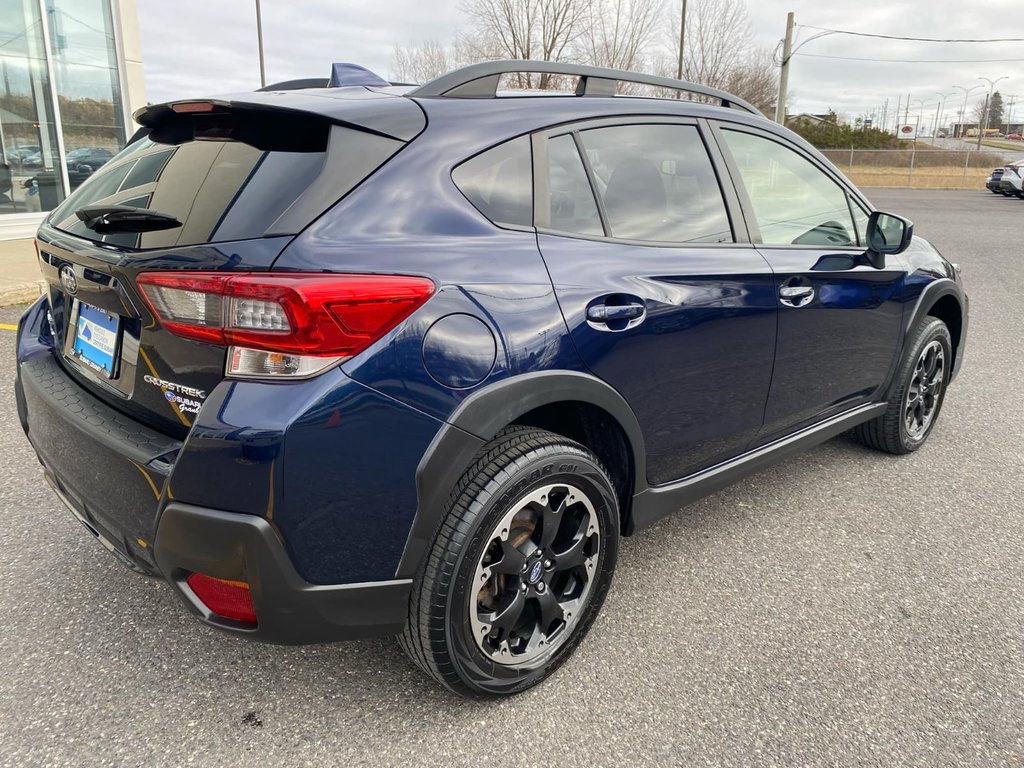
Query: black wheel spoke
x,y
572,557
550,610
505,618
511,560
550,522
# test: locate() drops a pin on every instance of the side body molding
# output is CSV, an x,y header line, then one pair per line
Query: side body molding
x,y
478,419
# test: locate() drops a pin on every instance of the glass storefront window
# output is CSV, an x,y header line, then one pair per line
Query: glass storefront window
x,y
74,44
28,136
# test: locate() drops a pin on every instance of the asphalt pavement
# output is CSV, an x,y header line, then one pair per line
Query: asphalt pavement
x,y
842,608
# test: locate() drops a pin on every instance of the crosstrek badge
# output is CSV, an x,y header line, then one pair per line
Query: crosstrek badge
x,y
181,389
187,399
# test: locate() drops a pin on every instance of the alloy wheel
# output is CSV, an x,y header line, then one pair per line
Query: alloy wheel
x,y
535,576
925,391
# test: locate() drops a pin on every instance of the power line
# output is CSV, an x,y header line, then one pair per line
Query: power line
x,y
910,61
914,39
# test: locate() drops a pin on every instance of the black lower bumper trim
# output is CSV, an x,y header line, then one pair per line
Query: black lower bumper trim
x,y
290,610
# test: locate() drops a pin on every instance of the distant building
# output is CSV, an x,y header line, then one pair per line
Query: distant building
x,y
70,77
805,118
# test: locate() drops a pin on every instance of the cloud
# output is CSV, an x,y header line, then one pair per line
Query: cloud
x,y
193,48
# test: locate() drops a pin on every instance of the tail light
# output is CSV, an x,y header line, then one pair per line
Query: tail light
x,y
229,599
282,325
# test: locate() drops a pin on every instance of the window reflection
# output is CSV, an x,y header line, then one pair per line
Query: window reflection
x,y
657,183
78,36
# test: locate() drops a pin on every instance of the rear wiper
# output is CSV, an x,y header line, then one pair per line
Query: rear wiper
x,y
106,219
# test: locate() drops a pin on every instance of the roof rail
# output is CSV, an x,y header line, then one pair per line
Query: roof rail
x,y
480,81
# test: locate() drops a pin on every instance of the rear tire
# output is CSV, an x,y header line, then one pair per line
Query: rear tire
x,y
917,394
519,567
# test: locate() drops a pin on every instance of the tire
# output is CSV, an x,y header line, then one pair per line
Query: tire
x,y
917,394
464,629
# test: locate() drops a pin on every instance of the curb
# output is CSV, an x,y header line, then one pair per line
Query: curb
x,y
21,293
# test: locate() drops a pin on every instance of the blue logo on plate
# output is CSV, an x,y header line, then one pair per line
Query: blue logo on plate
x,y
170,396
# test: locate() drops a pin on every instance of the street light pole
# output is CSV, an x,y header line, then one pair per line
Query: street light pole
x,y
938,115
988,104
963,112
259,39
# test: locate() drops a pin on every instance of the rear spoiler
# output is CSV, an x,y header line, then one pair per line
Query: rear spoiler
x,y
386,115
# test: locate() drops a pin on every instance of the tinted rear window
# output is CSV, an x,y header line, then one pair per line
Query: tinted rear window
x,y
232,177
499,182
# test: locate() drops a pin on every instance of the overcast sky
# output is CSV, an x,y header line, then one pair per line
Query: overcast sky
x,y
199,48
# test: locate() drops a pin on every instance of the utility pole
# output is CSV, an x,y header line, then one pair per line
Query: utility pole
x,y
896,117
682,40
259,38
787,54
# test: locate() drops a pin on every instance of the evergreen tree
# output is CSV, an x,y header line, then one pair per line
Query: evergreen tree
x,y
995,111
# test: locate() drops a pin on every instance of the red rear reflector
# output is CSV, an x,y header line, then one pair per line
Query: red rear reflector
x,y
230,599
297,314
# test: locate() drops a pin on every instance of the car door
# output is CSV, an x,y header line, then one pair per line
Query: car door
x,y
839,316
665,299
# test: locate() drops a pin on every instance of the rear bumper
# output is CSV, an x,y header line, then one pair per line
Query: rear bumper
x,y
290,610
106,468
111,473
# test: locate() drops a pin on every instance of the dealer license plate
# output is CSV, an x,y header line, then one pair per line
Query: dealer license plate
x,y
96,339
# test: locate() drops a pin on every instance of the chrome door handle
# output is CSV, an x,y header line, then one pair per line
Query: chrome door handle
x,y
796,295
606,313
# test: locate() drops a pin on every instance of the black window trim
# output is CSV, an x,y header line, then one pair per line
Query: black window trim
x,y
852,194
542,216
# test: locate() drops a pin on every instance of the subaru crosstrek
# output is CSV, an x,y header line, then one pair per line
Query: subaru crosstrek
x,y
354,360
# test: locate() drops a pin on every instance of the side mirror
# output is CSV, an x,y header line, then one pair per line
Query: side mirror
x,y
887,233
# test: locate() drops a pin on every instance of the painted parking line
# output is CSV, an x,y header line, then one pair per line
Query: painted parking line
x,y
8,327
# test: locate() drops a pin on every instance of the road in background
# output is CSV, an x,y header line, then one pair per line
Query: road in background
x,y
842,608
1008,154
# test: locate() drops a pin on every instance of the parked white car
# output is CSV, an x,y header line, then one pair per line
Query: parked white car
x,y
1012,182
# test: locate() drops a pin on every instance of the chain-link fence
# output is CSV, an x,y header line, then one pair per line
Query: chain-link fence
x,y
918,168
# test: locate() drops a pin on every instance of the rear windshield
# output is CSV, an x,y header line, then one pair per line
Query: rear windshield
x,y
224,184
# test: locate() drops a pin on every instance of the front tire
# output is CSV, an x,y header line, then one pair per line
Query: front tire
x,y
918,392
519,568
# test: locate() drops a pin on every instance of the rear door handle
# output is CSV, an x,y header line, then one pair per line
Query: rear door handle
x,y
796,295
607,313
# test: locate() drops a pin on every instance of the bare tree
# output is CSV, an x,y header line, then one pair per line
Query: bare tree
x,y
524,29
756,80
720,51
423,62
621,32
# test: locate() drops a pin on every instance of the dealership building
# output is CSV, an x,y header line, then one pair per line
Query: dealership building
x,y
70,78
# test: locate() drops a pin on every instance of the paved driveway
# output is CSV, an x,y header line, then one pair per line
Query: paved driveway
x,y
843,608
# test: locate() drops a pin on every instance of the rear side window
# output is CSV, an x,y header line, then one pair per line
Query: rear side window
x,y
499,182
657,183
236,179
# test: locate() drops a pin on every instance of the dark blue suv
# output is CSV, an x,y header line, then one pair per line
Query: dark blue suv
x,y
363,360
